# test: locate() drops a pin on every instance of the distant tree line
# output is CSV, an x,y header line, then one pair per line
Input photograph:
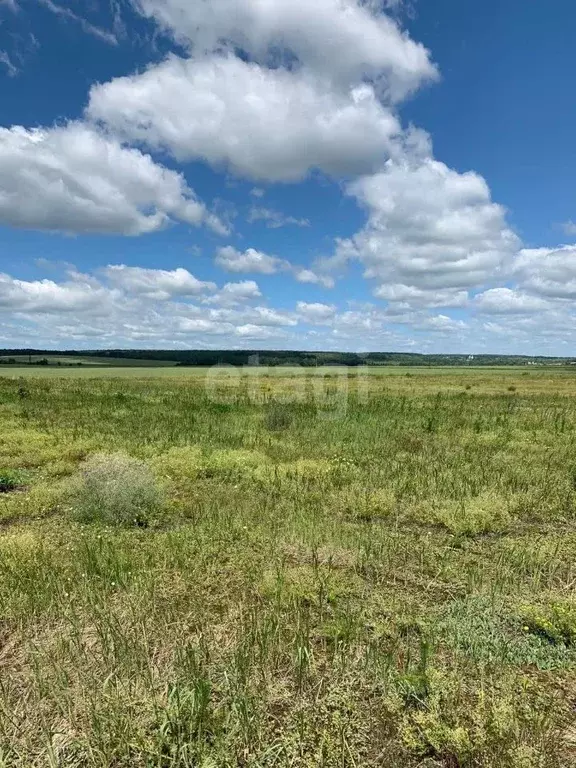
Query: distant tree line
x,y
46,360
13,361
278,357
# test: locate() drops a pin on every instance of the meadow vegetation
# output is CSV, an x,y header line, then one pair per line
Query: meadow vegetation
x,y
364,570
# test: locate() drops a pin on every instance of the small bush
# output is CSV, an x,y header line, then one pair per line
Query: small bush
x,y
117,489
365,505
23,391
483,514
11,480
555,622
277,418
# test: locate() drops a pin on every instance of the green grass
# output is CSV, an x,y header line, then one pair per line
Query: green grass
x,y
380,572
114,368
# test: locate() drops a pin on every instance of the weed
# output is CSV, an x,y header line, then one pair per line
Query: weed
x,y
278,418
555,622
117,489
11,480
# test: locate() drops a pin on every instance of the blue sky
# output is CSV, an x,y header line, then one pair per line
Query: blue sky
x,y
269,174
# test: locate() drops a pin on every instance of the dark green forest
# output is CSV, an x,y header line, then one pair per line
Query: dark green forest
x,y
272,358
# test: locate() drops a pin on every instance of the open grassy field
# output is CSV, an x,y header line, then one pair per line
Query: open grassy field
x,y
122,367
343,569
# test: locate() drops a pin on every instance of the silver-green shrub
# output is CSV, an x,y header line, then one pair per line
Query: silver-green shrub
x,y
117,489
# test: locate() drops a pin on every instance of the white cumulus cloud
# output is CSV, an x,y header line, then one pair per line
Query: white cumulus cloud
x,y
304,275
315,312
48,296
430,229
548,272
77,180
504,301
250,260
416,297
345,40
160,284
270,124
236,293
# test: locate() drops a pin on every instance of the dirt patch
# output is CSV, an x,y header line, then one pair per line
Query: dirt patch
x,y
8,487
